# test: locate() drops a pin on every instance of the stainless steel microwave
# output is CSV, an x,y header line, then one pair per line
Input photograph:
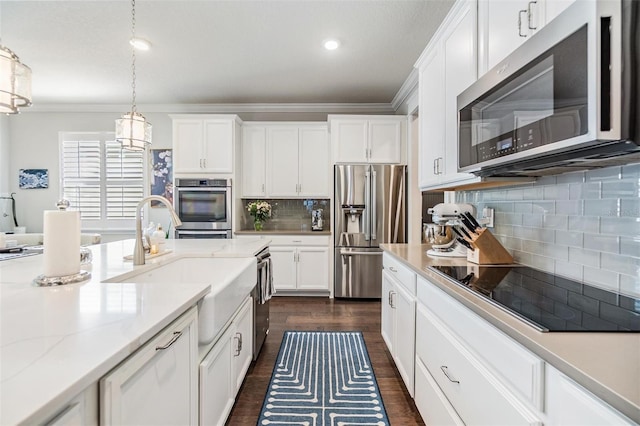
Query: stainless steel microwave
x,y
567,99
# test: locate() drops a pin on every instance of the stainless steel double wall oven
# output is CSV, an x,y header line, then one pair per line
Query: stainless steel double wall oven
x,y
204,207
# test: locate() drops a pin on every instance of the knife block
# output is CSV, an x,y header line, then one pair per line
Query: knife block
x,y
488,250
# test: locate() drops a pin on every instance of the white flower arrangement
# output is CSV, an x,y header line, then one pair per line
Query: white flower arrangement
x,y
260,210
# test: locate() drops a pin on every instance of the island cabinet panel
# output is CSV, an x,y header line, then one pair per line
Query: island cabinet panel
x,y
80,411
158,384
223,368
217,393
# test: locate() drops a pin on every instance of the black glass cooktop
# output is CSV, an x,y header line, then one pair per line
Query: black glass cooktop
x,y
549,302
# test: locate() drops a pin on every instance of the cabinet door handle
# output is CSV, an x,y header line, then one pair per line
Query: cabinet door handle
x,y
444,370
531,3
435,161
389,297
238,339
204,161
520,23
392,269
263,188
176,336
393,299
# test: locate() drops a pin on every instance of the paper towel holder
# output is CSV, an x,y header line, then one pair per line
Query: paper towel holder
x,y
44,281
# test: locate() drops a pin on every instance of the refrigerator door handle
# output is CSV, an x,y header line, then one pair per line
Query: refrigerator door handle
x,y
374,220
367,206
359,253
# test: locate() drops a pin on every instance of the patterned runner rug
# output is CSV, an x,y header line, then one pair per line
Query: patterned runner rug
x,y
323,378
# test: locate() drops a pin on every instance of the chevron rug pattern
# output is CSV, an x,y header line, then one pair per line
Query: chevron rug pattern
x,y
323,378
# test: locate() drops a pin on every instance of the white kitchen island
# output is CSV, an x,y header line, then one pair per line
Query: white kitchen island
x,y
56,342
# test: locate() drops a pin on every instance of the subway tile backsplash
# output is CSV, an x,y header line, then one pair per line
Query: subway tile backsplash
x,y
289,214
583,225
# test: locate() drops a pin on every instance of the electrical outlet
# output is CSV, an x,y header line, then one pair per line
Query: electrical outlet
x,y
487,217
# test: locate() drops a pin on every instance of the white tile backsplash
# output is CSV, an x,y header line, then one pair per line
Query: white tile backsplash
x,y
582,225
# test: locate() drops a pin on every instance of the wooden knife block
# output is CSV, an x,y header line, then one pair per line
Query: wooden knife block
x,y
488,250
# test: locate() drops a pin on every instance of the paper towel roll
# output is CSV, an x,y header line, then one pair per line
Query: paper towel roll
x,y
61,243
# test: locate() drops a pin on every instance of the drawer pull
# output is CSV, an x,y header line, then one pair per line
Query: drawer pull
x,y
176,336
296,241
444,370
392,269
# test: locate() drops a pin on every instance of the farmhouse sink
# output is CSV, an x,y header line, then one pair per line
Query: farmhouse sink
x,y
232,279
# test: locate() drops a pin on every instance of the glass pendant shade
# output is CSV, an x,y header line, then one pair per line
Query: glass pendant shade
x,y
133,131
15,82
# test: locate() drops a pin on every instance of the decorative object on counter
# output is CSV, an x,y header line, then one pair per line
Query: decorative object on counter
x,y
336,381
316,220
33,178
485,248
440,233
260,211
15,84
133,131
61,235
158,244
162,174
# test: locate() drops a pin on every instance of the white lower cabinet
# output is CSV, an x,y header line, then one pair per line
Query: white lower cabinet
x,y
300,263
433,405
569,404
223,369
158,384
80,411
477,395
398,316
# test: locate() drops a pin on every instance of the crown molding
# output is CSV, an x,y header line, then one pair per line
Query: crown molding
x,y
330,108
407,90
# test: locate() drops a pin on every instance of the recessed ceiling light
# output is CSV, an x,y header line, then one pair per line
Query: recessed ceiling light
x,y
140,43
331,44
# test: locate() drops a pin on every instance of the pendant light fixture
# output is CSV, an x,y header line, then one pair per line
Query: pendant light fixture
x,y
133,131
15,82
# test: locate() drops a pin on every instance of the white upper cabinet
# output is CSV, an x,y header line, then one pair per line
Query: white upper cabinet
x,y
366,139
282,161
204,144
446,68
313,161
285,160
506,24
254,152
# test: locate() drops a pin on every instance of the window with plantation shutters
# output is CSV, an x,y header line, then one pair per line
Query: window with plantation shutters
x,y
101,180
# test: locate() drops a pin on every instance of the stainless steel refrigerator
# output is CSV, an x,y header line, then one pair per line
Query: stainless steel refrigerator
x,y
369,202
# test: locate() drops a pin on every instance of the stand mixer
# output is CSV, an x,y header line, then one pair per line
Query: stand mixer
x,y
440,234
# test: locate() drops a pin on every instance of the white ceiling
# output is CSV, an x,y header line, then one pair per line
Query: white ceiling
x,y
215,52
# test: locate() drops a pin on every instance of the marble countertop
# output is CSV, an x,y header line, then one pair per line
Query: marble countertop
x,y
608,364
56,341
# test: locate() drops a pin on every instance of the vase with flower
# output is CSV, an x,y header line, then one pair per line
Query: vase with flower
x,y
260,211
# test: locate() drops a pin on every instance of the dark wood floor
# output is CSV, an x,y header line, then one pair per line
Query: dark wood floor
x,y
314,313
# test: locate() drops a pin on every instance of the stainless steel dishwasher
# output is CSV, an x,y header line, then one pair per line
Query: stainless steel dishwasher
x,y
261,294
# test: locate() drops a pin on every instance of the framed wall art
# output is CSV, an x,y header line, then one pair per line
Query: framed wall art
x,y
162,174
33,178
